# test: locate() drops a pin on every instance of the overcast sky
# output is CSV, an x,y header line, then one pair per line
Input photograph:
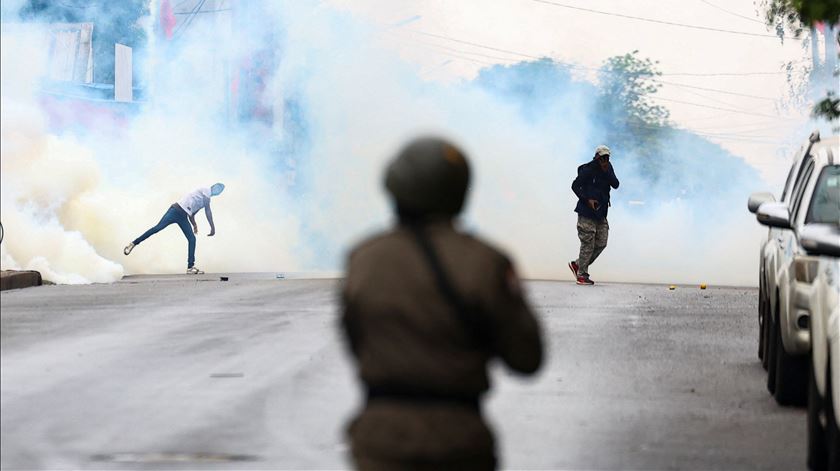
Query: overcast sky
x,y
758,131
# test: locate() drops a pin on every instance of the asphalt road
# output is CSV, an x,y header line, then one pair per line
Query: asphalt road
x,y
195,373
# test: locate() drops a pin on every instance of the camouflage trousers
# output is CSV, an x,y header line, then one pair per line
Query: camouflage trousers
x,y
593,239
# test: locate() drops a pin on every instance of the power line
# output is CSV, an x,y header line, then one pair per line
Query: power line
x,y
707,97
716,90
188,21
506,51
716,74
436,68
531,56
720,136
732,134
405,21
458,56
722,116
651,20
731,12
757,140
722,109
202,11
462,51
595,69
750,127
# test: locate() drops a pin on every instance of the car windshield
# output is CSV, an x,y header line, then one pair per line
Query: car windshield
x,y
825,204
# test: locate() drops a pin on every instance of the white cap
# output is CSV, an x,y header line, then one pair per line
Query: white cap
x,y
601,151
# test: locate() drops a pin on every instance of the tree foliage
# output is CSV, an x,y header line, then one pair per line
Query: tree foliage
x,y
796,16
781,16
828,107
627,83
812,11
625,104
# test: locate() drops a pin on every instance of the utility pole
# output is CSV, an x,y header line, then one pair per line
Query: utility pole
x,y
831,38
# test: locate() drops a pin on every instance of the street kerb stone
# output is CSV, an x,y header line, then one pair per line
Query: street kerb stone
x,y
13,279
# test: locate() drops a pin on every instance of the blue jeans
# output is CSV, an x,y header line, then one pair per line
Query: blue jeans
x,y
175,215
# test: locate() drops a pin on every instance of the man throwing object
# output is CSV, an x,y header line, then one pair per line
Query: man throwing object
x,y
592,187
182,212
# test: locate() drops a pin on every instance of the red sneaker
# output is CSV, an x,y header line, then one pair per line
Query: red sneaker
x,y
584,280
574,267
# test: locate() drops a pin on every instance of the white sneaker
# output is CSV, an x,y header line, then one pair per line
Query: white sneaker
x,y
194,271
128,248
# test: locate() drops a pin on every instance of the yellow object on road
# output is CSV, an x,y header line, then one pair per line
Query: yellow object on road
x,y
672,287
702,285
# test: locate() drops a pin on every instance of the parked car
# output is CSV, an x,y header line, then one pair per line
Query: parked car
x,y
785,331
818,275
768,254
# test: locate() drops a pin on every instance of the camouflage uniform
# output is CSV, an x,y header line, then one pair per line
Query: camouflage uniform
x,y
593,236
423,367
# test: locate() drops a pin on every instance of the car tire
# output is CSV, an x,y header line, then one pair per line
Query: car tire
x,y
791,373
765,330
761,323
832,433
817,451
771,355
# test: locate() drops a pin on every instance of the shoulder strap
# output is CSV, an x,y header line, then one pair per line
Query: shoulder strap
x,y
465,313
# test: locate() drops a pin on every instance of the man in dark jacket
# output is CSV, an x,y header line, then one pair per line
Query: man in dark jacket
x,y
425,307
592,187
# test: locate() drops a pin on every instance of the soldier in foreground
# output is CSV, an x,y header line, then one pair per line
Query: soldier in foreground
x,y
425,307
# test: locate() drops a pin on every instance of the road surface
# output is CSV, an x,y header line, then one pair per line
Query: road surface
x,y
178,372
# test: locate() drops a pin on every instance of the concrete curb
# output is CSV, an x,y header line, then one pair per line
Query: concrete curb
x,y
12,279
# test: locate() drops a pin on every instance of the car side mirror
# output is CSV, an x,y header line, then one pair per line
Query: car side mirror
x,y
821,239
774,215
757,199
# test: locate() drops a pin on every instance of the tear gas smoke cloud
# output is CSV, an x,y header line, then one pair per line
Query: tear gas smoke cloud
x,y
299,194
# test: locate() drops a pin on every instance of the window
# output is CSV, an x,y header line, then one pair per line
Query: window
x,y
794,172
825,203
799,189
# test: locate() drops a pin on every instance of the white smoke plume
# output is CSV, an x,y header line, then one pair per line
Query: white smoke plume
x,y
302,191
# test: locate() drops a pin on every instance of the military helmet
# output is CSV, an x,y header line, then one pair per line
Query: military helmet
x,y
429,176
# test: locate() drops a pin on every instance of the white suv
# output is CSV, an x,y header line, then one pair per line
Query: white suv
x,y
786,330
818,277
769,253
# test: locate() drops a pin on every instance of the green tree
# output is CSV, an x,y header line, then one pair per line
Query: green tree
x,y
796,13
795,17
625,105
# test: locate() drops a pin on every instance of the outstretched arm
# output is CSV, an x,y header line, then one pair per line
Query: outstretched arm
x,y
209,214
194,225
